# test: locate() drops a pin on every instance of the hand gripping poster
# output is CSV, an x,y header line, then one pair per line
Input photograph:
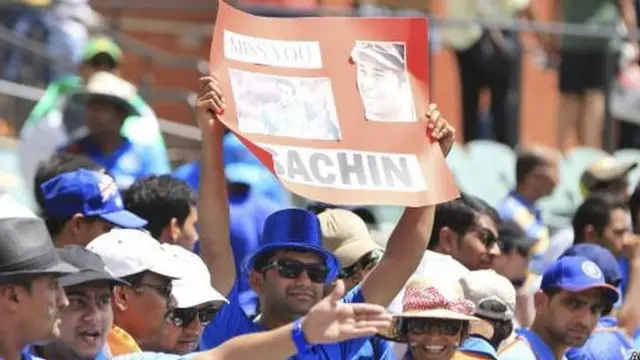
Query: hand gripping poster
x,y
333,106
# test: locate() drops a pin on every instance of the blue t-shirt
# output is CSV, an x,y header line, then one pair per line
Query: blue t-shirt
x,y
607,342
232,321
478,345
127,164
527,346
147,355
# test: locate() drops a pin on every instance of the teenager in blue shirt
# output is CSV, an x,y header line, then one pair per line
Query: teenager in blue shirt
x,y
291,268
574,295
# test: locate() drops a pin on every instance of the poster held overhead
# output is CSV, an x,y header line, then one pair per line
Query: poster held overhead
x,y
333,106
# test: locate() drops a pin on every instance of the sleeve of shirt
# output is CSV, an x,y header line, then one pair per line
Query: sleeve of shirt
x,y
605,346
516,351
229,322
352,347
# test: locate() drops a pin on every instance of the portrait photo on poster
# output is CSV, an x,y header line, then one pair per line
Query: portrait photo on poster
x,y
294,107
383,82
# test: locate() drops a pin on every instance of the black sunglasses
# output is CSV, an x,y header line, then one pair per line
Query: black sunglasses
x,y
291,269
421,326
162,290
184,317
365,263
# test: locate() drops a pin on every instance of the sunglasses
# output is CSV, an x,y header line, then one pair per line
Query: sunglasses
x,y
421,326
184,317
366,262
291,269
162,290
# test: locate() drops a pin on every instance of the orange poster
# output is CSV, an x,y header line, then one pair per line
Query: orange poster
x,y
333,106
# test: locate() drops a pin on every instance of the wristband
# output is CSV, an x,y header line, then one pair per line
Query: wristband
x,y
297,335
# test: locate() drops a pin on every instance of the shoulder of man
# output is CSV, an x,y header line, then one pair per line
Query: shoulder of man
x,y
517,349
153,356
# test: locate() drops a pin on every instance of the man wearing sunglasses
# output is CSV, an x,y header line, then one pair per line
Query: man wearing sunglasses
x,y
290,269
196,303
86,322
467,230
140,310
346,235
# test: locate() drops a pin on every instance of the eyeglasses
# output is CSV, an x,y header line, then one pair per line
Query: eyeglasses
x,y
162,290
184,317
421,326
291,269
366,262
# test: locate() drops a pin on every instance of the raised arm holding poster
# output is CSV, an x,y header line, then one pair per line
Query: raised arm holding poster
x,y
333,105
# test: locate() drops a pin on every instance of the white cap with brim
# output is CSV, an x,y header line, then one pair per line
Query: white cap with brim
x,y
194,289
107,85
128,252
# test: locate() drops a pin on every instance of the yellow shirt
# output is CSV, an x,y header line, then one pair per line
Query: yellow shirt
x,y
121,343
463,37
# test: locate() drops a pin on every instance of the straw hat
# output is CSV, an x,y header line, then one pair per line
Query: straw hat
x,y
439,297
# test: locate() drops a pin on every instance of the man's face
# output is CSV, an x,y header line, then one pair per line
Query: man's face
x,y
513,265
42,308
147,307
184,338
286,94
616,232
478,248
570,317
84,230
88,319
286,296
188,234
380,89
100,62
546,178
103,117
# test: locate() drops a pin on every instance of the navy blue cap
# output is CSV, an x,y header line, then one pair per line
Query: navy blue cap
x,y
602,257
89,193
576,274
294,229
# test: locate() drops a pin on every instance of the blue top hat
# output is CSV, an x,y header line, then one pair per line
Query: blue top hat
x,y
297,230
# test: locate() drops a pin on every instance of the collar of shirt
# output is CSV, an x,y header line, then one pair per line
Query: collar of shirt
x,y
527,204
121,343
537,345
478,345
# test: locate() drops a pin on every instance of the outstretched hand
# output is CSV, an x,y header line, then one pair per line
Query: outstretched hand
x,y
210,104
332,321
439,129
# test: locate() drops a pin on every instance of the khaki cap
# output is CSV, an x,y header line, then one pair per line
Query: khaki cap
x,y
604,170
346,235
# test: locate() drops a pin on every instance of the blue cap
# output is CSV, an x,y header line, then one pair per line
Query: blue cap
x,y
576,274
297,230
89,193
602,257
234,151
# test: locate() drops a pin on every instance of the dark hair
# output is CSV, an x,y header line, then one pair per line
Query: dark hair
x,y
55,224
595,211
634,207
527,161
459,215
158,199
58,164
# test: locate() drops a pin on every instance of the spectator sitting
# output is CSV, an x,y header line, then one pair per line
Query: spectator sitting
x,y
107,100
607,175
536,177
608,341
85,323
197,303
495,303
169,206
435,318
54,123
82,205
139,310
59,164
